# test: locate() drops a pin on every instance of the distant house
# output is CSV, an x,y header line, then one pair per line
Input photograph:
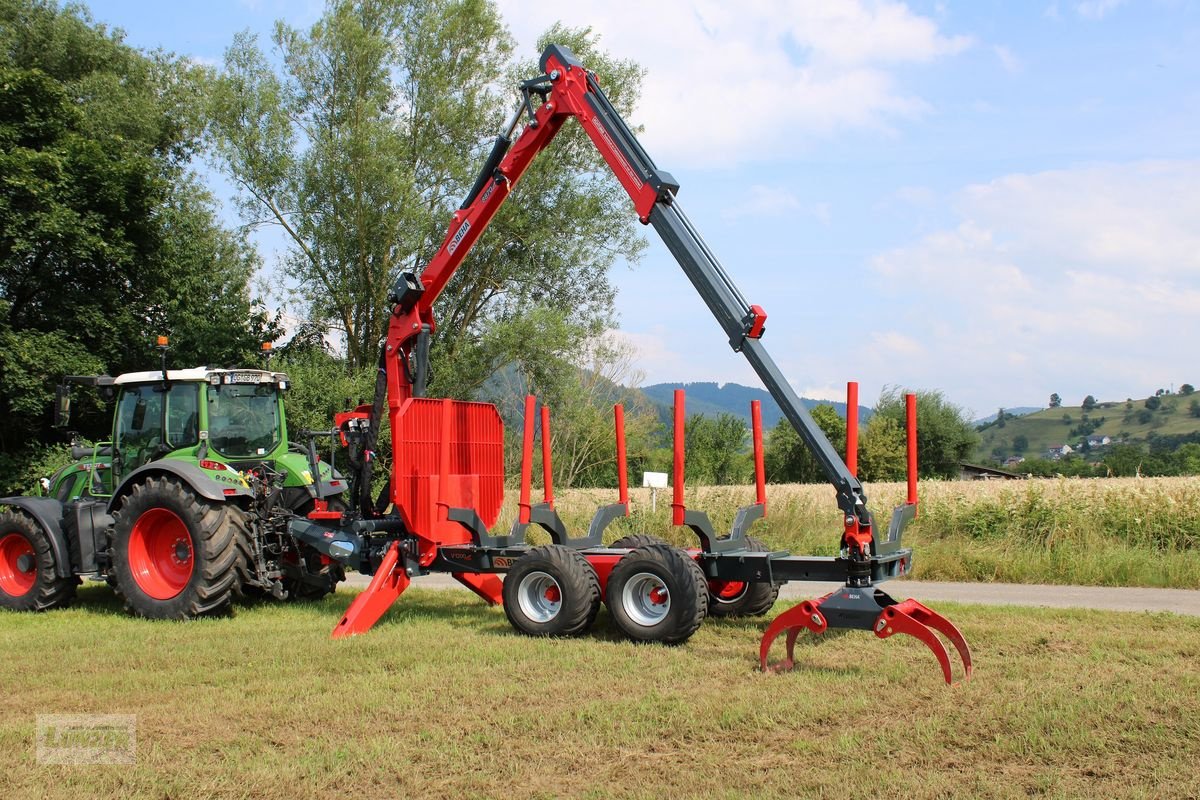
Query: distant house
x,y
1012,461
1099,441
978,472
1057,451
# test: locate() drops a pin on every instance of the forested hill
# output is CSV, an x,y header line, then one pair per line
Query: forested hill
x,y
712,399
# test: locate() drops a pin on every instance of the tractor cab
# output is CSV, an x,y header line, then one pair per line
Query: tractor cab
x,y
223,420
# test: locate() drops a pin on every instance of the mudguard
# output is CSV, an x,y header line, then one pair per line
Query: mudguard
x,y
48,513
189,473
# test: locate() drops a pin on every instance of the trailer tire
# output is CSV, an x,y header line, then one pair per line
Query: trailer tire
x,y
28,580
551,591
742,598
175,554
635,541
657,593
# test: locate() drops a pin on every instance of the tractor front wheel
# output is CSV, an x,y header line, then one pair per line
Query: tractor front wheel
x,y
175,554
27,570
551,591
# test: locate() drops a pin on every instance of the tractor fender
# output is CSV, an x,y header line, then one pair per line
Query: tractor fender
x,y
48,513
188,473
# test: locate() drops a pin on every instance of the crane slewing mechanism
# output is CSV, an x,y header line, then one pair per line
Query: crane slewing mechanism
x,y
446,481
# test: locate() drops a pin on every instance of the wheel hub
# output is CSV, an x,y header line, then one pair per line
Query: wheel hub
x,y
539,596
160,553
18,565
646,599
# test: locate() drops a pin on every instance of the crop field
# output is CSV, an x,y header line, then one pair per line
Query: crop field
x,y
443,700
1100,532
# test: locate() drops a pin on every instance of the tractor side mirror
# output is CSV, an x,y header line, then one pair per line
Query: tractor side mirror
x,y
62,406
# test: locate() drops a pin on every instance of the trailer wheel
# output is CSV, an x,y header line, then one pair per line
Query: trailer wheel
x,y
551,591
657,593
742,598
27,570
175,555
635,541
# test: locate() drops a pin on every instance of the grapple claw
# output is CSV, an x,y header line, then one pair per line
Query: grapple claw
x,y
866,608
795,619
920,621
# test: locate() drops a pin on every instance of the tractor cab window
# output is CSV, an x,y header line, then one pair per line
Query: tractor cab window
x,y
183,415
243,419
139,433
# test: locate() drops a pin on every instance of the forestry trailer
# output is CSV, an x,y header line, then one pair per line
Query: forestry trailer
x,y
447,480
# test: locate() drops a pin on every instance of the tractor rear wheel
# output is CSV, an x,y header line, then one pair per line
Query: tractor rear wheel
x,y
657,593
551,591
175,554
313,575
742,598
27,570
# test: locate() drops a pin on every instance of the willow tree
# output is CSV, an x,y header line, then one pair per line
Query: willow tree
x,y
363,136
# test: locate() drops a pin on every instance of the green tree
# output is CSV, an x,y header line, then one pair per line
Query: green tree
x,y
106,239
944,436
1194,408
364,141
716,450
1055,400
1089,403
882,454
1153,403
788,460
1020,443
1187,389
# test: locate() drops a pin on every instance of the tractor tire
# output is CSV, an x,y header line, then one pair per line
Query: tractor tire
x,y
635,541
175,554
742,598
27,570
551,591
657,593
322,578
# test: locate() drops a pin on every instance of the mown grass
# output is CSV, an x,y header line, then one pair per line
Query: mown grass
x,y
1097,532
441,699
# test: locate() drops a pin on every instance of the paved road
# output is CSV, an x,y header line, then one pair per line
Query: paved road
x,y
1104,598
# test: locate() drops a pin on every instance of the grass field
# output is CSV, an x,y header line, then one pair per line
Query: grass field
x,y
1099,532
443,700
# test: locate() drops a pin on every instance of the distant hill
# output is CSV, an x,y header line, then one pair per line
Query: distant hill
x,y
713,399
1124,421
1019,411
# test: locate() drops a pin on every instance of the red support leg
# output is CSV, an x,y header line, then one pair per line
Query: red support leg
x,y
760,473
489,587
547,463
389,583
526,460
910,419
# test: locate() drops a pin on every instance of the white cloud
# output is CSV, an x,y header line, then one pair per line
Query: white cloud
x,y
1096,9
753,80
1008,59
1077,281
775,201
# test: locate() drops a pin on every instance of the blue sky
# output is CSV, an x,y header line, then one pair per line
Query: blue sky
x,y
999,200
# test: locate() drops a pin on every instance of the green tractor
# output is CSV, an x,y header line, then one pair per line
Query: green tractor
x,y
187,506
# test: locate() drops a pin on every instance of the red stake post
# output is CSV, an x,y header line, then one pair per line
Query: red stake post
x,y
443,500
622,466
852,427
526,459
910,419
547,464
677,507
760,473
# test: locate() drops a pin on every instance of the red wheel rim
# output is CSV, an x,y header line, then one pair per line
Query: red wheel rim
x,y
160,554
14,581
727,590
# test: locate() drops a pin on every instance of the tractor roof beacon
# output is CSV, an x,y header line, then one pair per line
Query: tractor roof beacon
x,y
447,480
186,505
